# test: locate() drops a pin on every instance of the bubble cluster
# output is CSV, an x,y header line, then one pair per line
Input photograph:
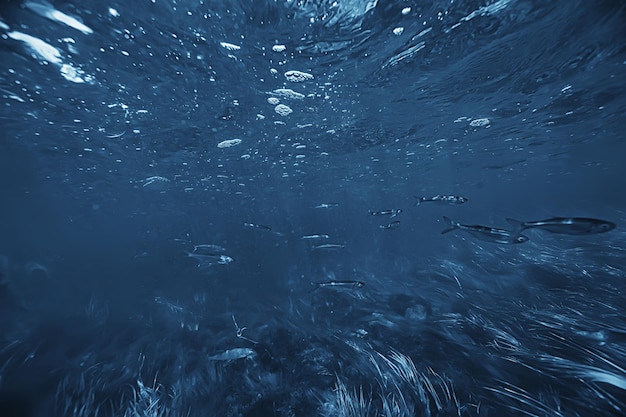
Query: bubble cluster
x,y
480,122
298,76
288,93
229,143
283,110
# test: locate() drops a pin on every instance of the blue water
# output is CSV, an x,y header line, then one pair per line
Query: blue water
x,y
161,162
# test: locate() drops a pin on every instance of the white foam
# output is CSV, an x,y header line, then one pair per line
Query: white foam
x,y
47,52
75,75
46,10
40,48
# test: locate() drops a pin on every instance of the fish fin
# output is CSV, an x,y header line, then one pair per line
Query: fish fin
x,y
451,225
517,225
418,200
315,286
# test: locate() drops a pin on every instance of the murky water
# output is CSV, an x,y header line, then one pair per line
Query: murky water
x,y
210,208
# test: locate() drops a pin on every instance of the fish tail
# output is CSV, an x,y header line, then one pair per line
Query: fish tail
x,y
418,200
315,286
451,225
518,226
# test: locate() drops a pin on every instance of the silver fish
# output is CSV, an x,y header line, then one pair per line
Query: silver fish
x,y
171,306
233,354
328,246
326,205
260,227
208,248
339,284
224,259
566,225
390,212
393,225
441,199
488,234
181,240
205,260
314,237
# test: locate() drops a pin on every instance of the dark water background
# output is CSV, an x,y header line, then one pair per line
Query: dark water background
x,y
110,174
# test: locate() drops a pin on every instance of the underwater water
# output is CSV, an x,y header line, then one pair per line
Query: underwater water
x,y
236,207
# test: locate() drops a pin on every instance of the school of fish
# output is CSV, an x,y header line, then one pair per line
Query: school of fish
x,y
208,255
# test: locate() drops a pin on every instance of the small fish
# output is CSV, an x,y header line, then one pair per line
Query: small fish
x,y
208,248
441,199
205,260
488,234
233,354
328,246
224,259
155,180
260,227
115,135
181,240
314,237
391,212
171,306
199,256
339,284
393,225
566,225
326,205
